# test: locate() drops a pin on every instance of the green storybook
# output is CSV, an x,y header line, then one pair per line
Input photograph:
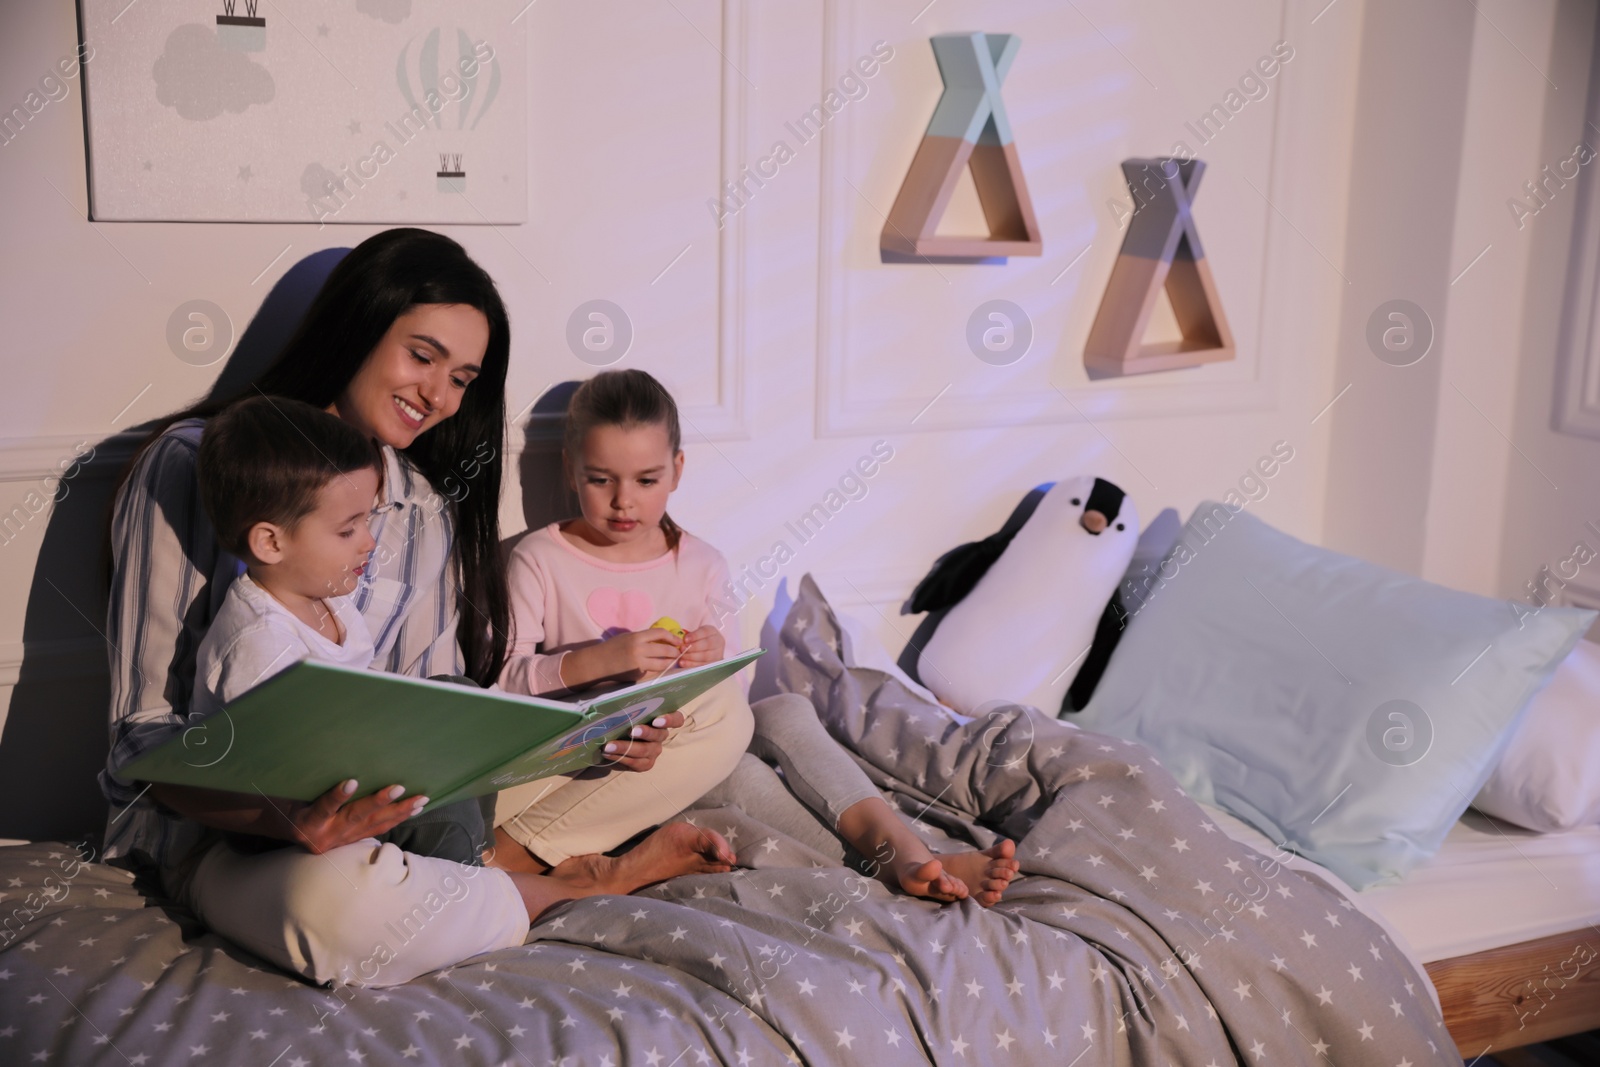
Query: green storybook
x,y
303,731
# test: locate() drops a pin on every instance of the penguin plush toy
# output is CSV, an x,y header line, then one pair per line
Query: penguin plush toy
x,y
1031,613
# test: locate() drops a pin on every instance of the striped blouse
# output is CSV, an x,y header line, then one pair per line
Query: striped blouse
x,y
169,579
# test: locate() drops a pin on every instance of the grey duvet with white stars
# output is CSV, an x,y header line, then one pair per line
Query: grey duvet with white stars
x,y
1137,933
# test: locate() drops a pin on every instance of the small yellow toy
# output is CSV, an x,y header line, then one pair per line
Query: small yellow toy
x,y
671,625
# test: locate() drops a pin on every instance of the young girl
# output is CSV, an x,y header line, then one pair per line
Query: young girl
x,y
583,596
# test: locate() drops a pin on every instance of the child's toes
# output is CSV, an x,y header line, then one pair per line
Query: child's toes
x,y
949,887
993,890
1004,850
931,880
996,879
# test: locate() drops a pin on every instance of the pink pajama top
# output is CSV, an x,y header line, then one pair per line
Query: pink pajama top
x,y
564,598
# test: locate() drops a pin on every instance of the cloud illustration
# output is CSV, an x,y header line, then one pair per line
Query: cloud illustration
x,y
387,10
201,79
318,181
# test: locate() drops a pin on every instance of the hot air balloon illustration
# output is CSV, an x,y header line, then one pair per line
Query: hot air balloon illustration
x,y
449,90
452,177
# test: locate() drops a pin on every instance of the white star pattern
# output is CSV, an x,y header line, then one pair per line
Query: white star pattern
x,y
910,934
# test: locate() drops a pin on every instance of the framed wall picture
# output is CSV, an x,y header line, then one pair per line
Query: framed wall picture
x,y
1577,393
381,111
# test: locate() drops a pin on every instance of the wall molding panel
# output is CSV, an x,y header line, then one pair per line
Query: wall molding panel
x,y
844,407
1577,399
725,419
34,459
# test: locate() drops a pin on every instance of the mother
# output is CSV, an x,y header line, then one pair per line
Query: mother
x,y
408,341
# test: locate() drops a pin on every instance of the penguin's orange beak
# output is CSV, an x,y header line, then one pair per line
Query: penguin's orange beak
x,y
1093,521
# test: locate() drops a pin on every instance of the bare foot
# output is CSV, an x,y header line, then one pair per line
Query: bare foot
x,y
674,849
986,873
924,878
897,857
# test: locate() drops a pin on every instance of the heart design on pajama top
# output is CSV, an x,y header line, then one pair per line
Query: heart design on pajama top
x,y
620,610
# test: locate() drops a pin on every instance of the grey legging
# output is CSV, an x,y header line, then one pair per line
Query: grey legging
x,y
822,779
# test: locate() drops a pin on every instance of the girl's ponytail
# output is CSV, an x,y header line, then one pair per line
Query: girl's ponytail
x,y
673,532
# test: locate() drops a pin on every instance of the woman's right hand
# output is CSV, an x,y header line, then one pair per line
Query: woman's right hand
x,y
333,819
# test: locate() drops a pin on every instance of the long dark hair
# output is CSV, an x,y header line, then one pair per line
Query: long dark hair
x,y
382,278
623,398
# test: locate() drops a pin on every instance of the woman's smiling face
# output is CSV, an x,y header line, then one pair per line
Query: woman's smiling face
x,y
415,378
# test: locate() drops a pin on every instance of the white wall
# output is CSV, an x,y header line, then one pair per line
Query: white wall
x,y
1474,461
790,346
1451,468
1542,524
1404,167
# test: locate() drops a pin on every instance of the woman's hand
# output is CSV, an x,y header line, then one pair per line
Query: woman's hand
x,y
333,819
641,747
702,646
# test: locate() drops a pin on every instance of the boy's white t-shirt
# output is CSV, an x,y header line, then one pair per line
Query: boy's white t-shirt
x,y
253,637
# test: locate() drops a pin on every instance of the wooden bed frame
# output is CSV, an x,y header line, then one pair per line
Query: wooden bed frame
x,y
1519,994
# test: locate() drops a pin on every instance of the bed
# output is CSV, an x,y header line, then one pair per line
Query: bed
x,y
1504,921
1145,929
1139,933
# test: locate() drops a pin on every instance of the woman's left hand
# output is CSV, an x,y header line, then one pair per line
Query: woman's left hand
x,y
702,646
641,747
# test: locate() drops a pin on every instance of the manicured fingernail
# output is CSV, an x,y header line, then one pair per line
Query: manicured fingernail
x,y
395,791
611,747
350,787
638,731
659,723
421,803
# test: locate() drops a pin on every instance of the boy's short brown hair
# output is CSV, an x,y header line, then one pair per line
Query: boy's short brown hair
x,y
265,459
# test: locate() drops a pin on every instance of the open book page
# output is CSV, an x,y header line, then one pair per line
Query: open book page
x,y
605,718
302,731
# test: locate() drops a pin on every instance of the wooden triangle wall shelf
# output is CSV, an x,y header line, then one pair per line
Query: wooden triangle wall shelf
x,y
1162,248
969,128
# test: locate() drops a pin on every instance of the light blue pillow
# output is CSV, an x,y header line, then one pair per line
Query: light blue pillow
x,y
1346,710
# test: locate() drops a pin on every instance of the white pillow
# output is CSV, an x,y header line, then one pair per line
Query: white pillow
x,y
1549,777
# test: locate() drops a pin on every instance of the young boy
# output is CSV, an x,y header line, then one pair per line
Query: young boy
x,y
289,490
